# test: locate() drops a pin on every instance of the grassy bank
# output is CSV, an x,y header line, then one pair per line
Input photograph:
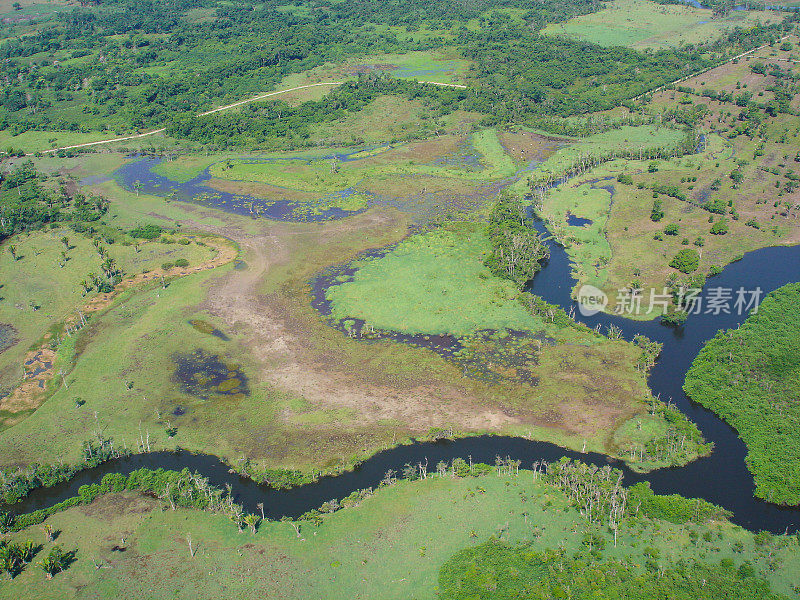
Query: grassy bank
x,y
393,544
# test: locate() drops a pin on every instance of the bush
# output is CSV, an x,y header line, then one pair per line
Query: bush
x,y
686,261
671,229
717,206
658,212
674,508
720,227
181,262
167,266
675,318
146,232
625,178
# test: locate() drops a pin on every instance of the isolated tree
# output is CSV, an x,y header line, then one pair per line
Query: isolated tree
x,y
13,250
65,241
55,562
251,521
109,266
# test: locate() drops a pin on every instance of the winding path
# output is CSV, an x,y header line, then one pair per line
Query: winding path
x,y
698,73
226,107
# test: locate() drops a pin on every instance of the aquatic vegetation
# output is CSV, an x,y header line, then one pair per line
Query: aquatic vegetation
x,y
207,375
434,283
7,336
207,328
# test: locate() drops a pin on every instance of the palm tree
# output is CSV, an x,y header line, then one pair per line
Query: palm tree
x,y
109,266
53,563
251,521
65,241
13,250
137,185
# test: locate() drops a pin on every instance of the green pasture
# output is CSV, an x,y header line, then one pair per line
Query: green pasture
x,y
328,175
43,285
624,138
644,24
432,283
392,545
586,245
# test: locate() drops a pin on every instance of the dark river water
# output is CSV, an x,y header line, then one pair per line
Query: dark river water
x,y
721,478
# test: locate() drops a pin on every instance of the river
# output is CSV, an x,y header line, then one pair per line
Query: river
x,y
721,478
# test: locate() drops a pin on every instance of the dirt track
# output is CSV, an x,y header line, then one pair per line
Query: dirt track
x,y
221,108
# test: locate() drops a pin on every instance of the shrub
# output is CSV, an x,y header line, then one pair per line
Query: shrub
x,y
658,212
181,262
146,232
686,261
671,229
720,227
717,206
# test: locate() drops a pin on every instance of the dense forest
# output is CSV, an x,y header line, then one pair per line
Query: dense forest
x,y
123,65
517,250
750,377
500,570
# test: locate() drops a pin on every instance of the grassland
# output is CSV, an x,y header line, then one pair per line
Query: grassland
x,y
443,65
46,286
392,545
600,144
644,24
327,399
435,283
327,175
624,246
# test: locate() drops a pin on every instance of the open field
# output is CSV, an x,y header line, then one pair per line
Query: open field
x,y
443,65
433,283
415,158
302,376
43,292
391,545
749,178
644,24
623,138
314,398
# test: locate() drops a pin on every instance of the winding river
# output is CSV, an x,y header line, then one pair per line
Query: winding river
x,y
721,478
